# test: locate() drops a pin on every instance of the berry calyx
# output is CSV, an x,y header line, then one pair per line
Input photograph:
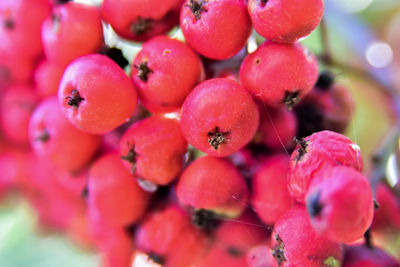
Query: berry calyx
x,y
217,137
278,251
291,99
141,25
197,7
143,71
75,99
131,159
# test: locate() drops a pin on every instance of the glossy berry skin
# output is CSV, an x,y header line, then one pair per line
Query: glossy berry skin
x,y
215,185
72,30
270,196
294,231
164,72
141,20
339,202
169,238
285,21
315,153
364,256
114,193
279,74
228,19
96,95
21,21
47,77
153,149
219,117
56,140
17,105
278,127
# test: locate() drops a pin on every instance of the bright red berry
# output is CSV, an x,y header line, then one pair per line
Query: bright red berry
x,y
114,193
72,30
140,20
228,19
153,149
295,243
339,202
279,74
17,105
317,152
387,216
165,71
212,186
55,139
270,196
169,239
285,21
219,117
96,95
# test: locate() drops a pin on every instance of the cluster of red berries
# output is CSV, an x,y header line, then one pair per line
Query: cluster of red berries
x,y
132,179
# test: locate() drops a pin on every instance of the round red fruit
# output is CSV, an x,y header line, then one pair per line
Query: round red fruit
x,y
228,19
165,71
96,95
219,117
279,74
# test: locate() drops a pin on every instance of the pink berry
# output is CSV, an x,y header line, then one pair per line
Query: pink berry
x,y
219,117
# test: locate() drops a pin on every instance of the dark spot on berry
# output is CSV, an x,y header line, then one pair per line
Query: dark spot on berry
x,y
143,71
130,229
75,99
141,26
156,258
216,138
44,136
131,158
235,252
258,61
291,99
197,7
314,205
116,55
262,2
302,148
325,81
63,1
9,24
278,251
164,104
204,219
85,192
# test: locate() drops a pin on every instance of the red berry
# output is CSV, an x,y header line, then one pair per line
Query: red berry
x,y
140,20
55,139
387,216
165,71
20,22
212,185
339,202
285,21
153,149
114,193
270,196
279,74
96,95
228,19
295,242
72,30
17,105
219,117
260,256
277,128
364,256
315,153
47,77
169,239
